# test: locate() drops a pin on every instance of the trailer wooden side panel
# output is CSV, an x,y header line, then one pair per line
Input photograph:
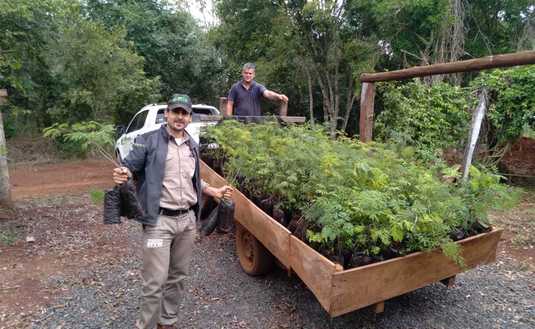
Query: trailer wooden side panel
x,y
374,283
274,236
314,269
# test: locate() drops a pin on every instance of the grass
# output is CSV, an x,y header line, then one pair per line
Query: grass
x,y
97,197
8,237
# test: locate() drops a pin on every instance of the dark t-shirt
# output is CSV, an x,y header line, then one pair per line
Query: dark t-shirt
x,y
246,102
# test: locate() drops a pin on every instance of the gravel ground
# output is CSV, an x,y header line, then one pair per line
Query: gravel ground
x,y
220,295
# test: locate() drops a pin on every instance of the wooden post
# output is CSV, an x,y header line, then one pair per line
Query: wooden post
x,y
477,118
223,105
5,190
379,307
283,109
367,99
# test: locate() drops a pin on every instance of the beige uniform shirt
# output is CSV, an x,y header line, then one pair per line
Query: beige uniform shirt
x,y
178,191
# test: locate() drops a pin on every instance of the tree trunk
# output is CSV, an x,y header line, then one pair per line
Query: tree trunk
x,y
350,101
5,190
450,44
310,97
336,109
324,94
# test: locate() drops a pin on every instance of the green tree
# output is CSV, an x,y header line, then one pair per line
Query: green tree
x,y
98,75
26,27
333,52
175,48
421,32
300,45
511,106
59,66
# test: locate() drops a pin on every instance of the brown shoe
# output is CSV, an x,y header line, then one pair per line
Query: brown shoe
x,y
166,326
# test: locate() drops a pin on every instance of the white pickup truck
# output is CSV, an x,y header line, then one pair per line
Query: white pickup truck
x,y
151,117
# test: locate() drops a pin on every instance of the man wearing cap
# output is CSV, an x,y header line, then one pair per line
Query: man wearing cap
x,y
165,163
244,96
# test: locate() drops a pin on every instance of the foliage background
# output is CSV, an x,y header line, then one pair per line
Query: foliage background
x,y
83,60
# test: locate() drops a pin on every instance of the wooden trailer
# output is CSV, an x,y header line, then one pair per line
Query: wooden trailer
x,y
259,238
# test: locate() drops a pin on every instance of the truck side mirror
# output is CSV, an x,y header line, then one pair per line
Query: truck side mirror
x,y
119,131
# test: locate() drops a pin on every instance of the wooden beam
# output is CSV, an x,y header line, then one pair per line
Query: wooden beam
x,y
266,118
477,118
367,99
292,119
506,60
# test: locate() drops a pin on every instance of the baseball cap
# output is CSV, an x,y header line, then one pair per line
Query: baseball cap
x,y
179,101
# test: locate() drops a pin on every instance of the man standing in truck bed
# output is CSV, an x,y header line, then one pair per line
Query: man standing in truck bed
x,y
244,96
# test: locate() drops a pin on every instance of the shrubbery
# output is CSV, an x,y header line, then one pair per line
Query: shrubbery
x,y
512,102
432,119
81,138
429,118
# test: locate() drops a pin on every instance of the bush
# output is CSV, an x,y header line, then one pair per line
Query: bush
x,y
78,139
512,103
434,118
429,118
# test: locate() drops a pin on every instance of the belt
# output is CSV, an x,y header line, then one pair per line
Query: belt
x,y
172,212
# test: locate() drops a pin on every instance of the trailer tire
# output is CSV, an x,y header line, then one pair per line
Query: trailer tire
x,y
255,259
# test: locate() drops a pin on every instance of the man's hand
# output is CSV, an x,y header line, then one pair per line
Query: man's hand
x,y
224,192
275,96
230,106
120,175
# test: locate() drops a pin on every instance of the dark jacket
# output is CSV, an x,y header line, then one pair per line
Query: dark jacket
x,y
146,161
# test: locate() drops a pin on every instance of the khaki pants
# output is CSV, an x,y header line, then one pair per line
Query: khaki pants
x,y
167,250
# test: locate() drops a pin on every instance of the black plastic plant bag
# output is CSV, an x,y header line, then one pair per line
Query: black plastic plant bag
x,y
130,206
210,223
122,201
221,218
226,216
112,206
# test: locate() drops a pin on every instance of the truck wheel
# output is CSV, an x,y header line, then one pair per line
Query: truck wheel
x,y
255,259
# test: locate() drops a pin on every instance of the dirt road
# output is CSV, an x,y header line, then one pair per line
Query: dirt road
x,y
38,180
60,267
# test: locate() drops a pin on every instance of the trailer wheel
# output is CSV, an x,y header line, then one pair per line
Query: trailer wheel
x,y
255,259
